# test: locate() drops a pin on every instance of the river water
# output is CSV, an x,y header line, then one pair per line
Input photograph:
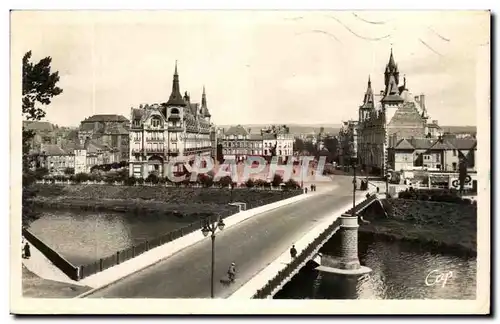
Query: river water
x,y
83,237
399,271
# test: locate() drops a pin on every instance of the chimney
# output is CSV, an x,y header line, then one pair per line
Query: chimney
x,y
249,130
381,93
435,122
417,99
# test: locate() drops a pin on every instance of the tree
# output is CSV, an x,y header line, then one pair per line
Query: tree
x,y
38,88
298,145
462,173
277,180
69,171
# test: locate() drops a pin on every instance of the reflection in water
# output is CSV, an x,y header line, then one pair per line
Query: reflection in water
x,y
84,237
399,272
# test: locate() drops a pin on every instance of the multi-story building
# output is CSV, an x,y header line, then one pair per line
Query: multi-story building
x,y
160,133
109,130
52,157
347,142
395,111
43,133
57,158
239,143
442,154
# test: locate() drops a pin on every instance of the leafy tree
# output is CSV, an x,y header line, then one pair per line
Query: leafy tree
x,y
225,181
38,88
249,183
40,173
81,177
205,180
69,171
299,145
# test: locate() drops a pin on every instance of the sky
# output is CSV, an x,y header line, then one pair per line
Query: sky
x,y
307,67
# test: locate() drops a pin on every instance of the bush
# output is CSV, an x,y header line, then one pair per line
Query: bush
x,y
152,178
130,181
249,183
81,177
292,184
140,181
69,171
260,183
225,181
115,166
277,180
205,180
40,173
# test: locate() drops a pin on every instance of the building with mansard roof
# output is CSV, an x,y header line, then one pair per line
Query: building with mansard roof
x,y
176,129
110,130
392,114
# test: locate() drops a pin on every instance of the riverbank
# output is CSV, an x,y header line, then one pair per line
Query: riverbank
x,y
439,226
36,287
155,199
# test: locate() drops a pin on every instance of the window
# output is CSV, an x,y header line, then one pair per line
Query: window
x,y
155,122
454,165
454,152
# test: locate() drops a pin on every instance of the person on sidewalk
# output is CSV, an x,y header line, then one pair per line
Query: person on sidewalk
x,y
293,252
231,272
26,250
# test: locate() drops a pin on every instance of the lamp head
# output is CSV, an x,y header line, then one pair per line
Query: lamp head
x,y
205,230
221,225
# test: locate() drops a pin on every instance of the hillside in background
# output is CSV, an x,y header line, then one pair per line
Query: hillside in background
x,y
334,128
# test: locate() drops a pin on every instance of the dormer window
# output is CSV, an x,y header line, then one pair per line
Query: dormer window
x,y
155,122
137,122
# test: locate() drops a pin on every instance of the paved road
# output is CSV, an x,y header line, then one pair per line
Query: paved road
x,y
252,244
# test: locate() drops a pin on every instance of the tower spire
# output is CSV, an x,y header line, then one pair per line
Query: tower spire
x,y
204,99
204,106
368,101
176,97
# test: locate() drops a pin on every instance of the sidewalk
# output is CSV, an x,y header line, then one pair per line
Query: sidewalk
x,y
248,290
42,267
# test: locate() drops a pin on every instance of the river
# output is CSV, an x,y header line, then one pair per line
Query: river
x,y
83,237
399,272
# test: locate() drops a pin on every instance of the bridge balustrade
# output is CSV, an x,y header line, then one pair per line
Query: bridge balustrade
x,y
273,283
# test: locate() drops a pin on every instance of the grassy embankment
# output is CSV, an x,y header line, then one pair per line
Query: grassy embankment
x,y
180,202
441,226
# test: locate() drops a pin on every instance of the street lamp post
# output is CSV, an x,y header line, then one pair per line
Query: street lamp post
x,y
354,162
210,227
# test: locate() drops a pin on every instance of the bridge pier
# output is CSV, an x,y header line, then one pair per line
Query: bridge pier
x,y
348,261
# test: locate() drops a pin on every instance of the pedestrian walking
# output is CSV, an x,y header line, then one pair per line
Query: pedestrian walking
x,y
312,187
293,252
305,189
27,252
